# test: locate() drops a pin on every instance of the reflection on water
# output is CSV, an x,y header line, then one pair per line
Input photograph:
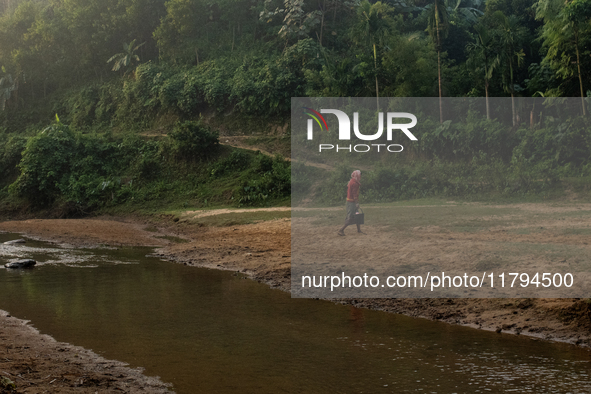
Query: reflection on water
x,y
209,331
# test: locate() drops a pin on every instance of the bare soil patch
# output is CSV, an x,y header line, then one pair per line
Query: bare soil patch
x,y
89,232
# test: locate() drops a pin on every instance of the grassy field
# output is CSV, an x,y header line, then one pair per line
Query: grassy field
x,y
421,236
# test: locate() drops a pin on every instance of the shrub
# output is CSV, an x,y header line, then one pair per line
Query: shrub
x,y
301,179
237,161
273,184
193,141
45,165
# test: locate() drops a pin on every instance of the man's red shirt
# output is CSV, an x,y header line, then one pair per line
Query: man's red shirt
x,y
353,190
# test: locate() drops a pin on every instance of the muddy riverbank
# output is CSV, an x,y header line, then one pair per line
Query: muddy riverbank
x,y
36,363
260,250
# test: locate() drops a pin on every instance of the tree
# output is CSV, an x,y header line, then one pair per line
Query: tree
x,y
127,57
566,30
297,23
482,57
410,66
510,36
183,33
437,28
439,13
577,15
372,26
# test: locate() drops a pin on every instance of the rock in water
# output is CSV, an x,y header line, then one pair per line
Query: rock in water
x,y
28,263
15,241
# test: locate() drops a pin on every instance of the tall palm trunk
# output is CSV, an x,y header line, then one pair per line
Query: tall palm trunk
x,y
322,21
513,108
439,81
334,14
579,71
486,81
438,62
375,67
513,117
486,95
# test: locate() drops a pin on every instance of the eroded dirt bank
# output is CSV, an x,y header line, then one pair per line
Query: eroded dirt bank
x,y
262,251
36,363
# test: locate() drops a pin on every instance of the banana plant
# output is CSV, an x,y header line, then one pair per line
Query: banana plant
x,y
127,57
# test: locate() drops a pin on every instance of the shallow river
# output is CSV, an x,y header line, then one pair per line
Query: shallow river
x,y
208,331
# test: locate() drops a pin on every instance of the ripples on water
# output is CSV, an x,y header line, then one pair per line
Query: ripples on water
x,y
45,254
210,331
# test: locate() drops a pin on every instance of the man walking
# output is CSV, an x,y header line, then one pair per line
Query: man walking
x,y
352,202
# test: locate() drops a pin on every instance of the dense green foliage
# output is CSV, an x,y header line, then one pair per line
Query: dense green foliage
x,y
235,64
469,159
81,172
251,56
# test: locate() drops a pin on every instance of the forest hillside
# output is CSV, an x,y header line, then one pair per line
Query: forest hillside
x,y
128,103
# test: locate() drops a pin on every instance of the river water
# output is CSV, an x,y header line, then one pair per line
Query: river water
x,y
209,331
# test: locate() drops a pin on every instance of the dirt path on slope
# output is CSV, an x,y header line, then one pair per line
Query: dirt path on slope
x,y
239,142
214,212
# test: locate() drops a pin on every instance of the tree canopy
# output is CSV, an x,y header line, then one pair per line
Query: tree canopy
x,y
251,56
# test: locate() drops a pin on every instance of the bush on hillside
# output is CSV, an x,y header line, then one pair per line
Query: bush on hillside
x,y
45,165
193,141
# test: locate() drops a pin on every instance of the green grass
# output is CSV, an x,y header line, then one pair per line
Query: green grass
x,y
489,264
525,231
451,222
239,218
173,239
577,231
451,216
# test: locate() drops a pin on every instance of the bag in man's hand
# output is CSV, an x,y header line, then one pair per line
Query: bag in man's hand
x,y
359,217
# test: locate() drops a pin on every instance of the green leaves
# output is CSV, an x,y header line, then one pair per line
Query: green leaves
x,y
192,141
45,165
577,11
373,23
270,179
7,86
127,57
438,21
565,34
297,23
